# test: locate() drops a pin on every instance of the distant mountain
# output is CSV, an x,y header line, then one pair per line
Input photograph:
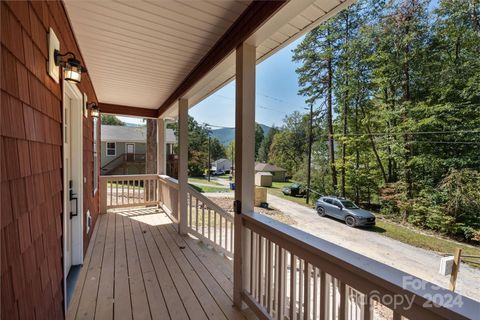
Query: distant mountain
x,y
226,135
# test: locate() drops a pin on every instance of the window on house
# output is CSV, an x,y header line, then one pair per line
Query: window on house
x,y
111,149
95,160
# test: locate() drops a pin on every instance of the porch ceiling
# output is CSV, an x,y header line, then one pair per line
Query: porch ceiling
x,y
138,52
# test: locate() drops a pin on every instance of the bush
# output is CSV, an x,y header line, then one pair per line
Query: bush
x,y
452,208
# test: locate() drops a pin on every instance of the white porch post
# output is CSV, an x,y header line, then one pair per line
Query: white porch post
x,y
161,154
182,165
244,155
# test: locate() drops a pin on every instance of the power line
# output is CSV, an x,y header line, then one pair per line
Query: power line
x,y
257,105
447,142
280,100
405,133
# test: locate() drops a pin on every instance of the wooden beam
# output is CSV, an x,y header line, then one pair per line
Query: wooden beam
x,y
257,13
127,110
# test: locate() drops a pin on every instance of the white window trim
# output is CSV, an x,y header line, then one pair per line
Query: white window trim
x,y
106,149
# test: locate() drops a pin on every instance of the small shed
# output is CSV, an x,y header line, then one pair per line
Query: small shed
x,y
278,174
263,179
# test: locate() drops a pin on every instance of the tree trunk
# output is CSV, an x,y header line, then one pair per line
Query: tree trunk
x,y
474,14
357,155
345,111
374,147
151,153
407,99
331,142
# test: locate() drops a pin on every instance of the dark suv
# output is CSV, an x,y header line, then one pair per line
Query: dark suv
x,y
294,190
345,210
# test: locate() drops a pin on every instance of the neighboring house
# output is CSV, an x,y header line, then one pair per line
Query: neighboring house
x,y
222,164
123,149
278,174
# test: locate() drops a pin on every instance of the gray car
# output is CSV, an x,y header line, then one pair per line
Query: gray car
x,y
345,210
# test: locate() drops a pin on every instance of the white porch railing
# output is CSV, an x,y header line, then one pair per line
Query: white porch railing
x,y
168,196
209,222
206,220
290,274
128,191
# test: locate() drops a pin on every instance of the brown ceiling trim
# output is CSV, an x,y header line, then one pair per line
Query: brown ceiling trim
x,y
256,14
127,110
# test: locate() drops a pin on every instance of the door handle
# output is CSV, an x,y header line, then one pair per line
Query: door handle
x,y
73,197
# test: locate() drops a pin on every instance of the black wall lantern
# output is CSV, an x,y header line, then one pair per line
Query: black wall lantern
x,y
94,110
72,68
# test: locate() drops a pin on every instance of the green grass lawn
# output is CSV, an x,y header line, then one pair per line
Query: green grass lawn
x,y
204,181
224,176
276,190
204,189
420,239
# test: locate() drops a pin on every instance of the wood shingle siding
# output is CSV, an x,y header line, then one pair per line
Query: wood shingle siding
x,y
31,161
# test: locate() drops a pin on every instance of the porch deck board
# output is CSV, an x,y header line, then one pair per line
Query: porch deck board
x,y
139,267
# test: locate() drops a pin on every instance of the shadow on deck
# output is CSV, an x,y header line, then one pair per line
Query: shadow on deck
x,y
139,267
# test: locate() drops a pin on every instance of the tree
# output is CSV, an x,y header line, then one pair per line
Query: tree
x,y
396,85
259,135
264,150
198,147
230,151
289,144
217,150
316,53
111,120
151,152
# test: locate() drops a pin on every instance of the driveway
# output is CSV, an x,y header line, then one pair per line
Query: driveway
x,y
416,261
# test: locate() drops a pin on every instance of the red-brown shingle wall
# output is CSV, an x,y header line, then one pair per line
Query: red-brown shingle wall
x,y
31,161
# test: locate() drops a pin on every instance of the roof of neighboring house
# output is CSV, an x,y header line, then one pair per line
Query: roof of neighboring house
x,y
221,160
263,173
267,167
131,134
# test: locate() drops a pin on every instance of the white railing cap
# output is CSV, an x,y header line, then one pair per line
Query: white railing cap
x,y
366,268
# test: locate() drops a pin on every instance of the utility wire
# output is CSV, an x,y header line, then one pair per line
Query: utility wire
x,y
405,133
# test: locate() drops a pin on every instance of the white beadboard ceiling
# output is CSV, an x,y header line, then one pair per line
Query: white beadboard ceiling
x,y
138,52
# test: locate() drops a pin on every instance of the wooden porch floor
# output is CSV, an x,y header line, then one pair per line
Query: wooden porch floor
x,y
138,267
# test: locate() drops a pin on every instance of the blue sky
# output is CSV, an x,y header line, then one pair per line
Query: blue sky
x,y
277,89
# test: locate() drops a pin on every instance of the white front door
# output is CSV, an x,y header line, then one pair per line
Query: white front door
x,y
67,178
130,151
73,179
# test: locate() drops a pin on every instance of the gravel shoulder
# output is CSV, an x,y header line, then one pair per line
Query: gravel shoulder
x,y
416,261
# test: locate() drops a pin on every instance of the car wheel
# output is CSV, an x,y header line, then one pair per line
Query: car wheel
x,y
321,211
350,221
